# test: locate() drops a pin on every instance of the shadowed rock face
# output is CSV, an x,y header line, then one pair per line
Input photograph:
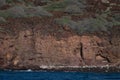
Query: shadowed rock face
x,y
52,45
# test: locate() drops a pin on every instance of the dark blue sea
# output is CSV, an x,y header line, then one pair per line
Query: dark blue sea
x,y
24,75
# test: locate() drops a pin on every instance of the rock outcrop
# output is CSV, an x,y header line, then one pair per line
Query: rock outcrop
x,y
65,34
37,44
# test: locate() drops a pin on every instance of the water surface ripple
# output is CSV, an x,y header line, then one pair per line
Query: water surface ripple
x,y
40,75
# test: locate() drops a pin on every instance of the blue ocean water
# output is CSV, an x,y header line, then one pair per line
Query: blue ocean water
x,y
24,75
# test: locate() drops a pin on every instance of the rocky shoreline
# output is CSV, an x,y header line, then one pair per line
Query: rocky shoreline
x,y
105,69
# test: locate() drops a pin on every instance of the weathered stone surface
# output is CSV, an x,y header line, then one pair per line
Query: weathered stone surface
x,y
30,42
38,47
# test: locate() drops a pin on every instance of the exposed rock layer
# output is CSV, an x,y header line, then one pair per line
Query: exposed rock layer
x,y
31,43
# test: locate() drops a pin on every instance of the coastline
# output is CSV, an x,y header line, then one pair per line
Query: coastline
x,y
105,69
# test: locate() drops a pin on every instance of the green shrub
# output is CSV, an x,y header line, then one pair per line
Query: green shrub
x,y
116,16
100,23
22,11
63,21
55,6
9,1
36,11
4,14
61,5
2,20
92,25
16,11
73,9
2,2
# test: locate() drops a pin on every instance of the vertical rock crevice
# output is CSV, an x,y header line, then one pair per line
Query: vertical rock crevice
x,y
33,41
82,53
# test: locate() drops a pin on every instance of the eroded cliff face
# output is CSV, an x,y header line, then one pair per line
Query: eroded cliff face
x,y
33,45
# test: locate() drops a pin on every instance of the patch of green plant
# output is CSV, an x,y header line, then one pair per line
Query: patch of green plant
x,y
116,16
2,3
63,21
100,23
36,11
9,1
23,11
4,14
56,6
113,20
2,20
74,9
91,25
113,16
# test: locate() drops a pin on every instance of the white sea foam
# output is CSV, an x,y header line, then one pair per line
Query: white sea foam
x,y
29,70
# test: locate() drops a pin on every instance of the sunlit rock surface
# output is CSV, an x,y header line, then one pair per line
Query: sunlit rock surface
x,y
51,35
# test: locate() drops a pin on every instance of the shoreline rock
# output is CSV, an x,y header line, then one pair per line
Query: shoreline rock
x,y
70,69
